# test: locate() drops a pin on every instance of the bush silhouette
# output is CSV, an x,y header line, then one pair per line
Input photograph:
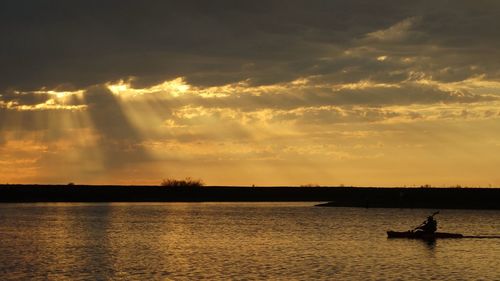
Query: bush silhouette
x,y
310,185
187,182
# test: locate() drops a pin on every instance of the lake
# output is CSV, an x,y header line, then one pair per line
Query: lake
x,y
238,241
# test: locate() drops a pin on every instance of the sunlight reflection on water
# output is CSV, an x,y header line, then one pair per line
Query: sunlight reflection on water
x,y
285,241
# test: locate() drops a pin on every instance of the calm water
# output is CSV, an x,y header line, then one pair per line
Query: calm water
x,y
241,241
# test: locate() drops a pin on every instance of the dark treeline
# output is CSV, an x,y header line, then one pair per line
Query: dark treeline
x,y
454,198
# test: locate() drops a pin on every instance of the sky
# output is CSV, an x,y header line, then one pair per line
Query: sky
x,y
326,92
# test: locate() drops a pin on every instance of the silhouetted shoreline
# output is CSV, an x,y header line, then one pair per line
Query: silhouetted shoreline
x,y
369,197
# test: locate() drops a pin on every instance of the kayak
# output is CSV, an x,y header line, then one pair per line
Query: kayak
x,y
421,235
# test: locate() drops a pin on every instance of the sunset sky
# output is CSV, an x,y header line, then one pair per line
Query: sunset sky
x,y
370,93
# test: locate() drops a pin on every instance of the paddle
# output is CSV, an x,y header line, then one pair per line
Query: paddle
x,y
433,214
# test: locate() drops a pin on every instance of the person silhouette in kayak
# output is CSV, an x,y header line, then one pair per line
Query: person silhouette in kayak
x,y
429,226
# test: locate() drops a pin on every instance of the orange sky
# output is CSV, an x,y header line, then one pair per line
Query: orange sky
x,y
306,95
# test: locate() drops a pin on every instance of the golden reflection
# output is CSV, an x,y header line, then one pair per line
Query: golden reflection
x,y
381,58
476,84
175,87
178,87
364,84
48,105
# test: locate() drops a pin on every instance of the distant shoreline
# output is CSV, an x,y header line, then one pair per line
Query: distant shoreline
x,y
367,197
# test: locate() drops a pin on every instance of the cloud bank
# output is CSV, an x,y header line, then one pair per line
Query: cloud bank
x,y
101,89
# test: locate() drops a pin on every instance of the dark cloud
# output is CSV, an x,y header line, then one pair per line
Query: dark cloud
x,y
24,98
80,44
76,44
404,95
293,98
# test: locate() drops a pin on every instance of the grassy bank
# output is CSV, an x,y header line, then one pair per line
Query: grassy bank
x,y
455,198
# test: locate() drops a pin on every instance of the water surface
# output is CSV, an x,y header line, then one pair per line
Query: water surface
x,y
240,241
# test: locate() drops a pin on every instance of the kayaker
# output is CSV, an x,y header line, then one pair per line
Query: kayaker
x,y
428,226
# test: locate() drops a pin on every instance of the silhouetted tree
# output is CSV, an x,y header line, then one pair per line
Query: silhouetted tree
x,y
187,182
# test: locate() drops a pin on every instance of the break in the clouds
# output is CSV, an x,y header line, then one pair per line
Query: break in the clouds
x,y
242,92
